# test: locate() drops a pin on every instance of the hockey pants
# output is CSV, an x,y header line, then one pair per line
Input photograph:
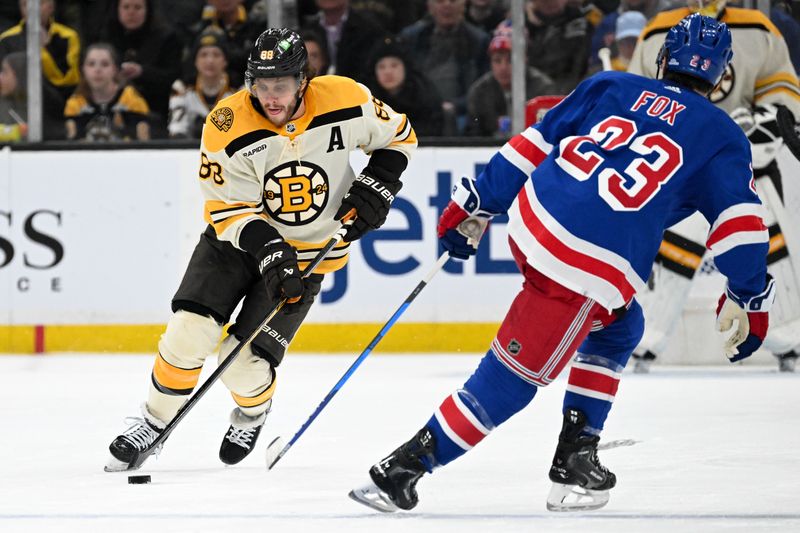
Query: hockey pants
x,y
543,329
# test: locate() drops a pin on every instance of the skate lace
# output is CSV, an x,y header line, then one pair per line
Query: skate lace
x,y
140,434
241,437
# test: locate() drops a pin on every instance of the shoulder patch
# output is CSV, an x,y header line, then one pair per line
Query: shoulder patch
x,y
222,118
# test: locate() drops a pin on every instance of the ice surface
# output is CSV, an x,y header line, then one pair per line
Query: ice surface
x,y
718,452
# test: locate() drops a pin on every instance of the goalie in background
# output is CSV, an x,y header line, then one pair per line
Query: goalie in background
x,y
759,78
584,238
276,178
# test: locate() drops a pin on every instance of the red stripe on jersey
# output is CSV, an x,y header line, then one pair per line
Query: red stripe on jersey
x,y
735,225
595,381
527,149
459,423
565,254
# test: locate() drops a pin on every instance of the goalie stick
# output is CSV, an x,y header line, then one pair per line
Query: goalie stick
x,y
140,457
790,130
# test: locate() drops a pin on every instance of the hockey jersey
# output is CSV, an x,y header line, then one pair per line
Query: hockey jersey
x,y
294,176
761,70
590,189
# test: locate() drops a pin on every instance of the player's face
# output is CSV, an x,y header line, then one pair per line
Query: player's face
x,y
8,79
210,62
391,73
501,68
276,96
99,69
132,13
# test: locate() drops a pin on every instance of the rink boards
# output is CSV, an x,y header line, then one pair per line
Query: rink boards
x,y
93,244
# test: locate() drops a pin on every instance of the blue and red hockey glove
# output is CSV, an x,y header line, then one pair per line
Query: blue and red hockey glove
x,y
463,222
752,317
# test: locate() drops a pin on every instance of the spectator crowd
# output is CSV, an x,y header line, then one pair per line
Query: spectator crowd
x,y
153,69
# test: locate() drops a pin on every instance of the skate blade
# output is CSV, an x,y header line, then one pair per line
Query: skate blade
x,y
567,498
115,465
374,498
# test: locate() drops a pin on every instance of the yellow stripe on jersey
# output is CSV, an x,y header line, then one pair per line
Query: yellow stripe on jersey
x,y
222,214
733,17
336,259
785,77
244,401
174,378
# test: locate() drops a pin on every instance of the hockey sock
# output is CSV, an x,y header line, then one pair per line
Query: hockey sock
x,y
593,382
489,397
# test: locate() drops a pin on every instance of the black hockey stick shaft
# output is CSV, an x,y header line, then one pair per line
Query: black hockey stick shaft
x,y
140,458
789,130
374,342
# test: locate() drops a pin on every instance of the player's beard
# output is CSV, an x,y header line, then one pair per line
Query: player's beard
x,y
278,119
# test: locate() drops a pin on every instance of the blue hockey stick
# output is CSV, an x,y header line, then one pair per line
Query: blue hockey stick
x,y
274,450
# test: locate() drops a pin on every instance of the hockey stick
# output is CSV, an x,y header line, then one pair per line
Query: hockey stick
x,y
276,450
605,58
790,130
140,457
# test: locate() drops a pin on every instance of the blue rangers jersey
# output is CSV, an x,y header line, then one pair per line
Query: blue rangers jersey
x,y
591,188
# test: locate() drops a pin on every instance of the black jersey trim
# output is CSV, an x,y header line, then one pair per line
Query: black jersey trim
x,y
340,115
674,266
743,25
246,140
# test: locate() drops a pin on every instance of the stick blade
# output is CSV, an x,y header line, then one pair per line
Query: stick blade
x,y
274,451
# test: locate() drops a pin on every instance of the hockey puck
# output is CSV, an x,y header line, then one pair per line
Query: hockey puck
x,y
138,480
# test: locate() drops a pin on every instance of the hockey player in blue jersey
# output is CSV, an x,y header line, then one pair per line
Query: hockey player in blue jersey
x,y
589,192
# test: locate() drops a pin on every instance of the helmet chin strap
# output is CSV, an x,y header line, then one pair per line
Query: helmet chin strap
x,y
298,98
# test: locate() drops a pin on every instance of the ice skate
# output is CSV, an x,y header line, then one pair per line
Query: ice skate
x,y
137,438
642,363
787,361
241,437
395,477
580,481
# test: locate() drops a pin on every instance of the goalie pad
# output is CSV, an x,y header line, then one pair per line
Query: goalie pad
x,y
679,257
784,332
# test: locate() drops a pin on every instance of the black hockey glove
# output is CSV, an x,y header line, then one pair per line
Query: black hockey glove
x,y
277,263
371,198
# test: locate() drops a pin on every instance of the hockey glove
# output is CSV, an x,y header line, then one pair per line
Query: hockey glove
x,y
763,132
752,318
462,223
277,263
371,198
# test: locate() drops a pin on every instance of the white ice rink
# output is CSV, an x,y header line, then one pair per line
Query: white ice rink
x,y
719,451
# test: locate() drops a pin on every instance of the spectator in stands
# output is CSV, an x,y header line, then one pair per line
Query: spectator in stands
x,y
348,36
103,108
489,98
558,41
241,31
605,33
485,14
61,46
393,15
14,102
781,16
451,53
150,53
398,83
317,52
9,15
189,106
630,25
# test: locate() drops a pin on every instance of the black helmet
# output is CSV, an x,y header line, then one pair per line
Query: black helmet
x,y
277,52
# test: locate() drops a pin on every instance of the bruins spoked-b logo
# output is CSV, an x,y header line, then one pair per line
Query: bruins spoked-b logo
x,y
725,86
222,118
295,193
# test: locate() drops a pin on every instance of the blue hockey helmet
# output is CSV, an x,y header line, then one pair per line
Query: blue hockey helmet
x,y
698,46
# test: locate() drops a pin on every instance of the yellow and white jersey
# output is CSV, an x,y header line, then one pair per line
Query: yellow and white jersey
x,y
760,72
295,176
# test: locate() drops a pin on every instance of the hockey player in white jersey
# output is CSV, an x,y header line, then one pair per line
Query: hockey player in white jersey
x,y
276,177
759,78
